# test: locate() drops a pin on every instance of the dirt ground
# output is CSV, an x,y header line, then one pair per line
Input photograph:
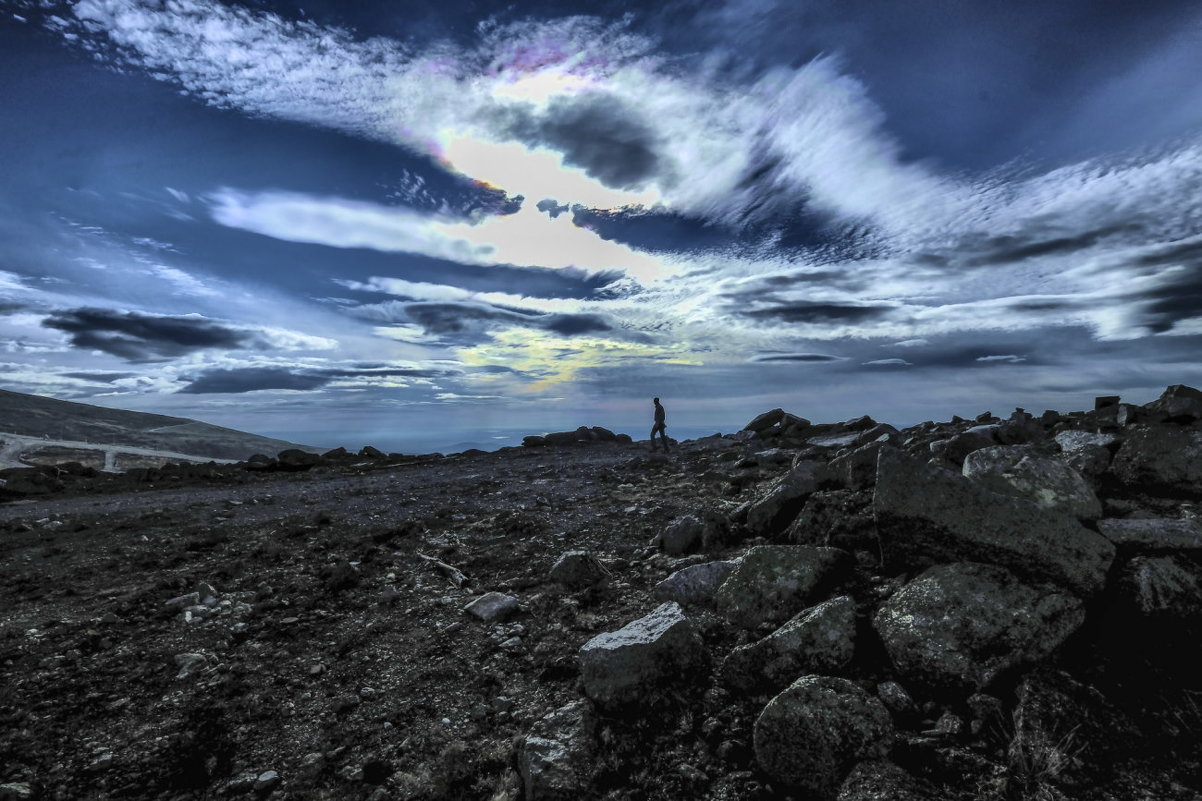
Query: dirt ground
x,y
335,654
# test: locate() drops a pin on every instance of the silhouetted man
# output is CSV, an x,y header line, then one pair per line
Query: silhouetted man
x,y
659,426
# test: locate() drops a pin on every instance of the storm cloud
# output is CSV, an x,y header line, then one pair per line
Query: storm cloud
x,y
143,337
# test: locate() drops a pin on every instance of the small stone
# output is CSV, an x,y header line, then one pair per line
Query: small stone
x,y
267,780
190,599
15,791
894,696
188,664
346,702
492,606
578,570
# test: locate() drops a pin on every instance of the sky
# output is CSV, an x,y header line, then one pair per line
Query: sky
x,y
429,226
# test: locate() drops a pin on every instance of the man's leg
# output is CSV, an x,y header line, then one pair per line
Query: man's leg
x,y
653,430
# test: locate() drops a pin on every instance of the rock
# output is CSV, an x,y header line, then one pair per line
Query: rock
x,y
839,518
949,725
561,437
818,640
765,420
534,441
15,791
694,585
955,449
1056,715
603,434
578,570
266,780
336,453
189,663
682,536
1091,461
492,606
880,780
294,459
962,625
1178,403
179,602
774,582
1162,456
895,697
926,515
1017,470
1152,535
776,508
812,734
371,453
625,666
554,759
845,439
857,470
1073,440
623,439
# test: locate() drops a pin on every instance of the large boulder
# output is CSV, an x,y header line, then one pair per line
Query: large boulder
x,y
682,535
555,758
579,570
817,640
960,626
881,780
295,460
839,518
926,515
774,582
628,665
1057,715
813,734
1075,440
1178,403
1152,535
1019,471
957,447
857,469
765,421
777,507
695,584
1162,458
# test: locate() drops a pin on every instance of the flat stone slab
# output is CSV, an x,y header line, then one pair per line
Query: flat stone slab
x,y
926,515
1153,535
962,625
492,606
695,584
627,665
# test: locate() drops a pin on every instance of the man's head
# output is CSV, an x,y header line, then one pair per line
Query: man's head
x,y
655,401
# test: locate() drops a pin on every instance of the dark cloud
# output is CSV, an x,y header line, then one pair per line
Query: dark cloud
x,y
597,132
818,313
251,379
448,318
9,307
101,378
797,357
552,207
1008,249
140,337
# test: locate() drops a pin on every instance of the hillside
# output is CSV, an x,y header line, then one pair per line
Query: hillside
x,y
81,432
983,609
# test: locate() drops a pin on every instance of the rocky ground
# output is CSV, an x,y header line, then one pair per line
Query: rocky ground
x,y
974,609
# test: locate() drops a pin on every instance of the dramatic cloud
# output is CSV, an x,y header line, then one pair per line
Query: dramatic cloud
x,y
816,358
141,337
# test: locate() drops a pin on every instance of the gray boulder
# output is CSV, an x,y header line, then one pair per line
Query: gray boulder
x,y
1018,471
578,570
492,606
774,582
1074,440
1153,535
955,448
294,459
818,640
627,665
683,535
765,421
857,470
813,734
777,507
555,758
1162,456
695,584
880,780
1178,403
959,626
926,515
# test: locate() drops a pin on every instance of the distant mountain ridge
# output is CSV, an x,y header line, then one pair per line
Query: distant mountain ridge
x,y
84,425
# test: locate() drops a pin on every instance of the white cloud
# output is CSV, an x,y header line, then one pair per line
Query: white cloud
x,y
1008,358
888,363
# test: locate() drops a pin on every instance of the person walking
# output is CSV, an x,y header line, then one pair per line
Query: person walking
x,y
659,426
